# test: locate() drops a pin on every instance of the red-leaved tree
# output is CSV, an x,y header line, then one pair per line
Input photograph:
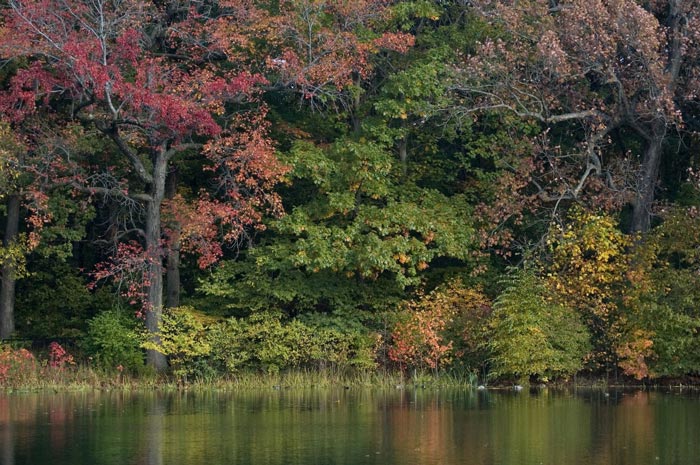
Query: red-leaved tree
x,y
155,81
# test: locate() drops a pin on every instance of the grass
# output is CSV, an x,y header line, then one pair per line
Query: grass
x,y
41,377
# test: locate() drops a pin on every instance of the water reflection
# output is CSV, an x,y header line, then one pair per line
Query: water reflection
x,y
351,427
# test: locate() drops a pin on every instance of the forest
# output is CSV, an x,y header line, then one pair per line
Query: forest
x,y
498,190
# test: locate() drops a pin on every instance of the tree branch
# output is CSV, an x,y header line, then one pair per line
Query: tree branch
x,y
112,132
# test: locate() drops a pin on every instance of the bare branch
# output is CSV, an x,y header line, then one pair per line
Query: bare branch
x,y
112,131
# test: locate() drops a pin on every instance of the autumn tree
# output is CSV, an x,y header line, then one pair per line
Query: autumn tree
x,y
42,215
325,50
148,79
586,270
12,249
532,335
607,82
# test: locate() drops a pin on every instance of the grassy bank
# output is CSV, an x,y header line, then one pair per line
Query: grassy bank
x,y
20,370
37,377
86,378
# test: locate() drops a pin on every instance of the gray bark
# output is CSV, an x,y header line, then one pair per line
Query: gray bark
x,y
154,312
403,154
644,199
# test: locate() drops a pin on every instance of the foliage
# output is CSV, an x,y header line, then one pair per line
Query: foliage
x,y
531,335
447,324
59,358
17,366
264,341
408,142
664,295
355,237
471,312
54,301
417,341
120,79
326,48
181,339
113,339
343,341
570,69
586,270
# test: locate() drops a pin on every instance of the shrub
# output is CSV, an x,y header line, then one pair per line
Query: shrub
x,y
532,336
418,342
182,339
442,327
265,341
663,300
343,345
113,340
17,367
230,351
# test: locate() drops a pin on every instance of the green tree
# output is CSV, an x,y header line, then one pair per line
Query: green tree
x,y
357,234
532,335
665,296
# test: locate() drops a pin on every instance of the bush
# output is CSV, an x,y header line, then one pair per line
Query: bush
x,y
182,339
229,349
351,348
18,367
265,341
54,301
113,340
532,336
442,329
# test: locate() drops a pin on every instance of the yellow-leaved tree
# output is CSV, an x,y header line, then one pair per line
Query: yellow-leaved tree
x,y
590,268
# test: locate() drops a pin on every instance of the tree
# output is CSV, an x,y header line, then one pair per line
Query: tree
x,y
531,335
150,81
663,296
355,237
326,49
608,82
41,216
586,270
12,250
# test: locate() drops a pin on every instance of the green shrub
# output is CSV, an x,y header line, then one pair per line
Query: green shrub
x,y
343,350
265,341
230,351
54,301
182,339
532,336
113,340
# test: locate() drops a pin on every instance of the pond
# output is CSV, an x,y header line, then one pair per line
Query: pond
x,y
352,427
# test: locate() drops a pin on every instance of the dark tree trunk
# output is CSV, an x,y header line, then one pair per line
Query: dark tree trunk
x,y
173,261
644,199
7,288
154,313
173,271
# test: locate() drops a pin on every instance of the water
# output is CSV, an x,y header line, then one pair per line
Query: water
x,y
351,427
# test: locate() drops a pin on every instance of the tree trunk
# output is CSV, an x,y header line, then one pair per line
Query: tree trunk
x,y
154,312
173,261
403,154
644,199
7,288
173,270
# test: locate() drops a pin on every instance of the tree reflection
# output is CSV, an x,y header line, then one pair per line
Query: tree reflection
x,y
7,440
